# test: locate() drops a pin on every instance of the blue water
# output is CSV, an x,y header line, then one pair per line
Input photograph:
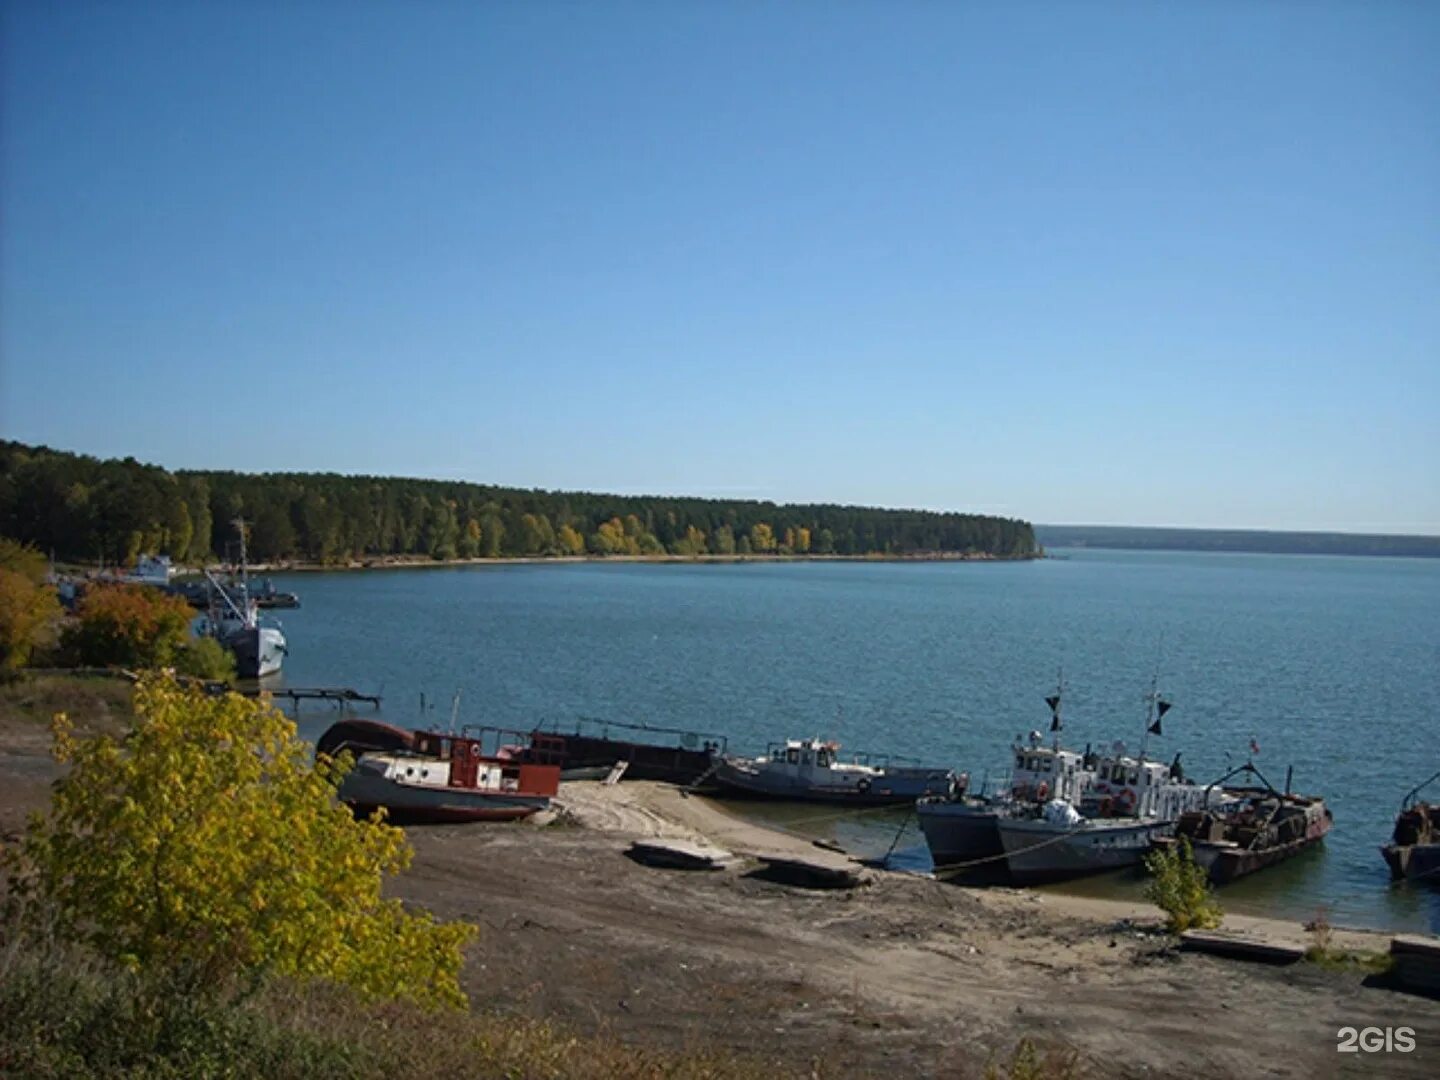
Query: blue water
x,y
1329,663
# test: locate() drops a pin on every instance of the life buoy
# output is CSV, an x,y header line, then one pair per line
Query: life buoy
x,y
1125,801
863,786
1042,792
1107,805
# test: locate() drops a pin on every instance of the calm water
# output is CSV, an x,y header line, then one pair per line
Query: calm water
x,y
1330,663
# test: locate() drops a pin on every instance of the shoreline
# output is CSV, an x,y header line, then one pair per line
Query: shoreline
x,y
904,975
420,562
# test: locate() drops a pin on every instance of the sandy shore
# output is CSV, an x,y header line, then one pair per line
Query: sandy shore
x,y
905,976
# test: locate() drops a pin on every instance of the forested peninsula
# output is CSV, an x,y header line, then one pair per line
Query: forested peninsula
x,y
83,509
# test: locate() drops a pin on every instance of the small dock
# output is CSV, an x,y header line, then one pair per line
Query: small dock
x,y
336,695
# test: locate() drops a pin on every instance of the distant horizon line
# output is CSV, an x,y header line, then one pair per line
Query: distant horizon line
x,y
1240,530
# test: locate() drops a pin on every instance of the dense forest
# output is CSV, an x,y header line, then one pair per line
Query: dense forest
x,y
1250,540
83,509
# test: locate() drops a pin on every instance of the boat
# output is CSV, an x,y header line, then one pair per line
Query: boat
x,y
234,621
1414,848
423,777
963,827
592,749
810,770
960,827
1256,827
1110,829
1131,803
267,596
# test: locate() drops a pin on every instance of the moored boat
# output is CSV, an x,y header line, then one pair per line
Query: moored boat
x,y
963,827
1414,848
433,777
1130,803
234,621
811,770
1257,827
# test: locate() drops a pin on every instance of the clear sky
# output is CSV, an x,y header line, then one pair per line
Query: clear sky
x,y
1128,263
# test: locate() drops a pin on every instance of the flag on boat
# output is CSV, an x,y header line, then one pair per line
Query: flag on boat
x,y
1254,746
1161,708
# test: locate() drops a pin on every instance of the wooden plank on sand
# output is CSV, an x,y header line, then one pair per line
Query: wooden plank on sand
x,y
680,855
1238,946
813,872
1417,962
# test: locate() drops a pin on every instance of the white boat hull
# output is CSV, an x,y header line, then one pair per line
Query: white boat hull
x,y
1037,850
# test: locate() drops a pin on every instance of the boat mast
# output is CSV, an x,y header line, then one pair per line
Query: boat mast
x,y
239,524
1054,701
1150,700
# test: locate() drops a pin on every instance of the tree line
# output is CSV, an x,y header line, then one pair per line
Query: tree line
x,y
84,509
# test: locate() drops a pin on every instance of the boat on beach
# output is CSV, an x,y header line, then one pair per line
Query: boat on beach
x,y
433,777
1257,827
1414,848
590,748
810,770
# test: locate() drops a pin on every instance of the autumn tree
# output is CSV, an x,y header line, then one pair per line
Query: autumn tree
x,y
135,626
570,541
207,848
29,611
762,537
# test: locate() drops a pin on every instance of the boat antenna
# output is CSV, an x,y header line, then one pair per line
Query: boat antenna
x,y
1155,706
454,710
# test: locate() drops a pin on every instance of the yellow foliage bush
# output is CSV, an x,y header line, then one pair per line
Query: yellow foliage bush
x,y
206,847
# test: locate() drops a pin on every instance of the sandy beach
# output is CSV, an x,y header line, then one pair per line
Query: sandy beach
x,y
903,976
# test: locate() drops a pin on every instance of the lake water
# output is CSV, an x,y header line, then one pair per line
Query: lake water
x,y
1331,664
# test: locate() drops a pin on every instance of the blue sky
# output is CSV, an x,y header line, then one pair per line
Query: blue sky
x,y
1131,263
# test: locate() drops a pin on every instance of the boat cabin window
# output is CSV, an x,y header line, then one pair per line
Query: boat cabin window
x,y
823,759
792,755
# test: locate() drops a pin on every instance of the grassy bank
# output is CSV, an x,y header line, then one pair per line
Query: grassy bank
x,y
95,702
63,1014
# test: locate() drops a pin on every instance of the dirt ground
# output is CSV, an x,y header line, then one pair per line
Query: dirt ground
x,y
904,976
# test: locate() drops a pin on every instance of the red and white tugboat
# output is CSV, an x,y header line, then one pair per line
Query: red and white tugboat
x,y
428,776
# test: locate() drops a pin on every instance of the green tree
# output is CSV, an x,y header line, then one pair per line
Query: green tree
x,y
537,537
206,847
1180,887
492,537
762,537
692,543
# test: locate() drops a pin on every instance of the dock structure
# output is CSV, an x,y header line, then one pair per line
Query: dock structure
x,y
336,695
